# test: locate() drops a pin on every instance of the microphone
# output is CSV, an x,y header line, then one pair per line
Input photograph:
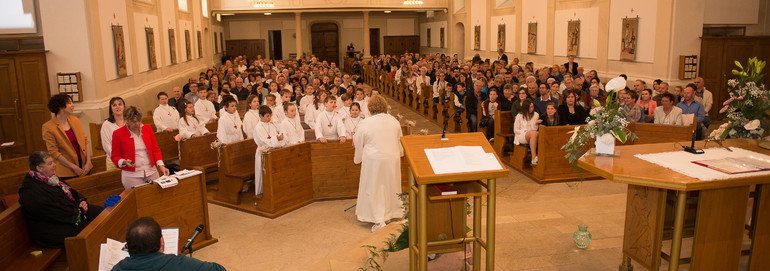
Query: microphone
x,y
692,149
446,123
188,245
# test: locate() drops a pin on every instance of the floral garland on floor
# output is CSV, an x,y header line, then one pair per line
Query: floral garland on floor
x,y
748,105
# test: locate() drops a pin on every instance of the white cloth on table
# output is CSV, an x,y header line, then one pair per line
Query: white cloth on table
x,y
229,128
265,134
378,149
250,120
681,161
165,117
521,126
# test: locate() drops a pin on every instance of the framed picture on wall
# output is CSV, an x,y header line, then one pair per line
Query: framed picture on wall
x,y
573,37
628,42
172,45
477,37
216,44
152,59
441,37
532,38
120,50
428,37
200,45
501,36
221,41
187,44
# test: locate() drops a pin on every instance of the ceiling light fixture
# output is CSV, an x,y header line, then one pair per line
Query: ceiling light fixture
x,y
387,11
412,3
268,14
262,3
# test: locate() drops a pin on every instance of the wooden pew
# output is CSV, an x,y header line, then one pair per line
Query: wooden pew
x,y
16,244
99,186
503,131
286,185
236,165
334,174
20,164
659,133
11,182
182,206
196,153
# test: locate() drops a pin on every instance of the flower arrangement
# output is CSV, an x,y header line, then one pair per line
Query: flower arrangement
x,y
605,123
423,131
747,106
216,145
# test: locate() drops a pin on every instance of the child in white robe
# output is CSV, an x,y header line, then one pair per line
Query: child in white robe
x,y
251,118
189,125
274,90
352,121
229,126
266,134
313,109
361,99
306,100
204,109
166,118
344,111
292,127
328,124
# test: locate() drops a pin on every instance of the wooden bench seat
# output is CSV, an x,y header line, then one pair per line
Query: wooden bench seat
x,y
503,132
16,245
236,165
196,153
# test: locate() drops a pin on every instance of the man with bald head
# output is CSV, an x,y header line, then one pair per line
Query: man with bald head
x,y
703,95
176,100
663,89
241,92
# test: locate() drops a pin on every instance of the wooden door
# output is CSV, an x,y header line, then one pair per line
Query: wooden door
x,y
397,45
24,84
10,113
712,67
276,45
325,42
249,48
374,41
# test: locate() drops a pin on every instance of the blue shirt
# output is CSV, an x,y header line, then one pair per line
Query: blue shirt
x,y
541,105
694,108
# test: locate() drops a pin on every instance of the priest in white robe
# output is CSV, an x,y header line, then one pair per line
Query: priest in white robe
x,y
378,149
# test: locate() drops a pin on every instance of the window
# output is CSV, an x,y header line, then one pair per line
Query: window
x,y
205,8
182,5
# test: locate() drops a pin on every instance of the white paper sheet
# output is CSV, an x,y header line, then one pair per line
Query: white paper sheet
x,y
8,144
110,254
166,181
461,159
186,173
170,240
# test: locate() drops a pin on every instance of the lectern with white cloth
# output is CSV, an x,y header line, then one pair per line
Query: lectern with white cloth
x,y
651,170
467,177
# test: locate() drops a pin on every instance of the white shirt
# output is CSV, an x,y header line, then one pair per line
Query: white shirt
x,y
205,111
229,128
250,120
292,131
305,102
364,107
106,133
437,87
344,112
310,114
189,126
351,125
266,134
329,125
521,126
165,117
278,114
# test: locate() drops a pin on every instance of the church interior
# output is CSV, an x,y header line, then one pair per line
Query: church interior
x,y
305,219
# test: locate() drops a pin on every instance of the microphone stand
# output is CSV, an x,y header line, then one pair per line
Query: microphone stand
x,y
446,123
692,149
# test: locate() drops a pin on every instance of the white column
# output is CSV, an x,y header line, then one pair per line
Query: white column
x,y
298,26
365,50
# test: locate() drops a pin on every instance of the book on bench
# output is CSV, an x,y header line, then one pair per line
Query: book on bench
x,y
445,189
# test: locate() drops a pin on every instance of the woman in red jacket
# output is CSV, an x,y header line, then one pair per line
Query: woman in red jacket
x,y
135,150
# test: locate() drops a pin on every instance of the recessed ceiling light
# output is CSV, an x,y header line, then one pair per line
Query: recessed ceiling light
x,y
387,11
228,14
268,14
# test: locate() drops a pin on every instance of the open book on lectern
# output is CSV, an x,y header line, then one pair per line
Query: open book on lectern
x,y
460,159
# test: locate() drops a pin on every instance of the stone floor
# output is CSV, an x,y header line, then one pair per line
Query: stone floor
x,y
535,223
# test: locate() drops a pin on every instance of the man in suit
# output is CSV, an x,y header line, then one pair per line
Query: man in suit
x,y
571,65
501,56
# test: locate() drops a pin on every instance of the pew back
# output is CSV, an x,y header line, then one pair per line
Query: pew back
x,y
197,152
99,186
11,182
649,133
286,185
16,245
236,164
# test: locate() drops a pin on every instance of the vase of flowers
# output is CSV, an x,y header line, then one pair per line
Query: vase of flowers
x,y
748,105
605,124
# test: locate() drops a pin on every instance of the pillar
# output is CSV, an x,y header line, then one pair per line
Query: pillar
x,y
365,50
298,31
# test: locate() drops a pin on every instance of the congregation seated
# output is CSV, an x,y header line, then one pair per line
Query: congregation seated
x,y
667,113
52,208
550,117
629,107
525,127
646,103
571,113
145,245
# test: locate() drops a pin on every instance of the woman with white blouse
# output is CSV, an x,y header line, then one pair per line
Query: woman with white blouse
x,y
525,128
112,123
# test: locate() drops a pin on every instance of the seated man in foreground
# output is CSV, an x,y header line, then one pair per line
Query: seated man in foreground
x,y
145,245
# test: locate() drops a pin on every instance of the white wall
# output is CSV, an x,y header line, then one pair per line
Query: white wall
x,y
68,51
478,17
647,11
731,12
168,12
435,34
244,30
114,13
510,32
589,32
534,12
140,22
400,27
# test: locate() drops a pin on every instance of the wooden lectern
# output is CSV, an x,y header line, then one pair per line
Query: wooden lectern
x,y
470,184
719,220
